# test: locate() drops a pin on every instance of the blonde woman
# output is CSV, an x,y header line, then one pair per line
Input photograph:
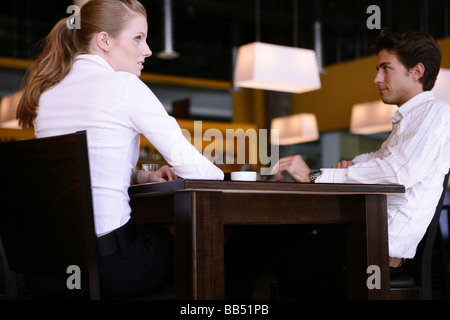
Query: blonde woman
x,y
88,79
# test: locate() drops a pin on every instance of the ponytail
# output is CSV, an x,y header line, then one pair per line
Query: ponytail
x,y
52,65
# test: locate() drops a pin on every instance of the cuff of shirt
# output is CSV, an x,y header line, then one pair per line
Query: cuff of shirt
x,y
332,176
134,176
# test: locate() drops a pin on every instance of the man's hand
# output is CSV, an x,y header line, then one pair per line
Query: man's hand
x,y
295,166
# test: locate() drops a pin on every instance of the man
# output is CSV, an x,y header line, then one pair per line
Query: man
x,y
416,154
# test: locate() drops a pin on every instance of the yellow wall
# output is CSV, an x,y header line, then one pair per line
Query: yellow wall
x,y
343,85
249,106
445,47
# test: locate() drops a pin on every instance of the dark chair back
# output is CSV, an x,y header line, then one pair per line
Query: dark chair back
x,y
404,286
46,219
427,244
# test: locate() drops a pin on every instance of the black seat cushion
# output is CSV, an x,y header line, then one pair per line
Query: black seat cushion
x,y
402,280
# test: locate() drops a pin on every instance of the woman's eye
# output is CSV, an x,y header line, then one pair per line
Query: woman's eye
x,y
138,38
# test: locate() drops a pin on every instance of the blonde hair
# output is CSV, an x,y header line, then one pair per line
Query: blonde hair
x,y
63,44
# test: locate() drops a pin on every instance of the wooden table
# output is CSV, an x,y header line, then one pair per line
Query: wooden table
x,y
199,209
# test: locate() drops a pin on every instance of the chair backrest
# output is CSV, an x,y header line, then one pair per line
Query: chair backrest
x,y
427,244
46,219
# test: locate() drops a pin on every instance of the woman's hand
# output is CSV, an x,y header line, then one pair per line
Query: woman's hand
x,y
162,174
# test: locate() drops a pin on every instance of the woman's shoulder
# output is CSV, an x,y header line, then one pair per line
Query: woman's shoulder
x,y
124,82
124,77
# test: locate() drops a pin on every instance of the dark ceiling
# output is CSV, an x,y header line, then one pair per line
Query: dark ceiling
x,y
206,31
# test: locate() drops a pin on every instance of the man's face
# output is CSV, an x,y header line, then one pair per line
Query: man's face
x,y
395,83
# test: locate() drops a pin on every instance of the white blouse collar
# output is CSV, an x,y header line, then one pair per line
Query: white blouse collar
x,y
95,58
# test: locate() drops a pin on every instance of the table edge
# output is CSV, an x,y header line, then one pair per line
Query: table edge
x,y
158,188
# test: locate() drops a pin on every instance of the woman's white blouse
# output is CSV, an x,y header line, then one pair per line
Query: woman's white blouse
x,y
115,108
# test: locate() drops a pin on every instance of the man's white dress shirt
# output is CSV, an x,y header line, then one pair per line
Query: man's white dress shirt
x,y
115,108
416,155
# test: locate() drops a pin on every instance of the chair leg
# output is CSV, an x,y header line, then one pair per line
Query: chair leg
x,y
442,264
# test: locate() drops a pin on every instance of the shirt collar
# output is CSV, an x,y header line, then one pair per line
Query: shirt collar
x,y
95,58
408,106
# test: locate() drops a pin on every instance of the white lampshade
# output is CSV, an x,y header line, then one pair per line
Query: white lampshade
x,y
441,88
277,68
296,128
371,117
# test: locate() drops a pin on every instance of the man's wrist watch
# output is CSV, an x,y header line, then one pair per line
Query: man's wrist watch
x,y
313,175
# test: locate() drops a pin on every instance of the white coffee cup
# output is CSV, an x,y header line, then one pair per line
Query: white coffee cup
x,y
243,176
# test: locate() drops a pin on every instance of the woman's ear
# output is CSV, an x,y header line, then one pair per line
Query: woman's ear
x,y
104,41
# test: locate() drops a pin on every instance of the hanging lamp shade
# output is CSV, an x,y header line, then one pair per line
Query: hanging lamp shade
x,y
277,68
168,52
297,128
441,87
371,117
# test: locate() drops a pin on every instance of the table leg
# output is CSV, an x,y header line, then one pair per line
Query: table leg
x,y
209,245
199,246
367,245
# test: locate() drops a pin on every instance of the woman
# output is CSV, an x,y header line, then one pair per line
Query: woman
x,y
87,79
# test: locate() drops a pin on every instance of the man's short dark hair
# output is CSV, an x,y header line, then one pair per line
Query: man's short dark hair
x,y
412,48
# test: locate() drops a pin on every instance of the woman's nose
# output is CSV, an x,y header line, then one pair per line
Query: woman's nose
x,y
147,52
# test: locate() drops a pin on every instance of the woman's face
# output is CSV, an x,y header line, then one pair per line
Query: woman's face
x,y
129,50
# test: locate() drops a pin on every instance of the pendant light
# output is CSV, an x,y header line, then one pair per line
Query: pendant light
x,y
278,68
372,117
296,128
168,52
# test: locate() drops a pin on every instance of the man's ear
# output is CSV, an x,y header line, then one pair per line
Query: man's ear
x,y
104,41
417,71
